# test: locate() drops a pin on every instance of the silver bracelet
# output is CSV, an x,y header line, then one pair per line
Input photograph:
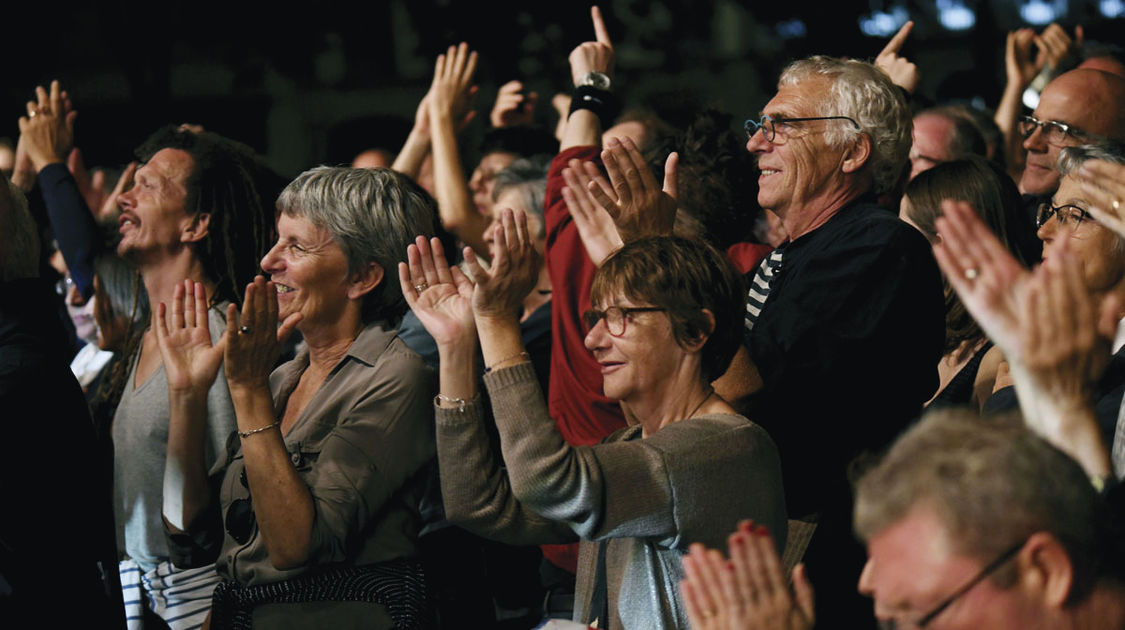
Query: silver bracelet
x,y
243,434
460,402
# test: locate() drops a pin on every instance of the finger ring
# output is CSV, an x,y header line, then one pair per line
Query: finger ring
x,y
32,114
971,273
244,330
1116,205
418,288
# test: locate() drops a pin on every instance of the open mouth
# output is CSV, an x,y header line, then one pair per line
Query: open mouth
x,y
281,288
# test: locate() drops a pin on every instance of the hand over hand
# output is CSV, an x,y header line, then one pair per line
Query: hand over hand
x,y
901,70
451,92
638,205
595,225
595,56
253,340
1103,187
501,289
47,132
747,593
440,295
985,275
183,335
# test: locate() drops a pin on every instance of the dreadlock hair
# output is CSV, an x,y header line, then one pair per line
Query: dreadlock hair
x,y
228,182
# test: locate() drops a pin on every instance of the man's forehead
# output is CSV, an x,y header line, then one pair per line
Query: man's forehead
x,y
799,98
170,164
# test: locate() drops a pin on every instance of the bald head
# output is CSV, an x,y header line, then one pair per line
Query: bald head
x,y
1092,103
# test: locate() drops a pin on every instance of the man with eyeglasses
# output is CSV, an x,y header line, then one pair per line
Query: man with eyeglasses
x,y
1082,106
844,321
979,524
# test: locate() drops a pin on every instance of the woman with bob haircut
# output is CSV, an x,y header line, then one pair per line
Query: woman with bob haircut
x,y
319,504
666,321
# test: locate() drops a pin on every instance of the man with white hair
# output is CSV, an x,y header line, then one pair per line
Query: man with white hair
x,y
844,321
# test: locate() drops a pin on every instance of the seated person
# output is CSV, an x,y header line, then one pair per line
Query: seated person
x,y
665,321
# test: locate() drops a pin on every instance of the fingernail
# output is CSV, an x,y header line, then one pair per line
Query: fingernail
x,y
763,530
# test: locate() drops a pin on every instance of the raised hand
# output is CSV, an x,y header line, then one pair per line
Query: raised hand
x,y
183,335
1103,186
512,106
1019,65
594,223
109,204
638,205
451,92
984,274
750,591
514,272
47,132
253,340
1057,47
440,295
595,56
901,70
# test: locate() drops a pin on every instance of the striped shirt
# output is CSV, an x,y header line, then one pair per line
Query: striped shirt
x,y
760,286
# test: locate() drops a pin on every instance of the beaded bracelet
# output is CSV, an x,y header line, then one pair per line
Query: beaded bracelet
x,y
243,434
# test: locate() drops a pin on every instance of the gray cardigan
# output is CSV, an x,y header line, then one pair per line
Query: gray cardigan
x,y
645,499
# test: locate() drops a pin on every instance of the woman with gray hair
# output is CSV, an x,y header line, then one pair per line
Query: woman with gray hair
x,y
319,500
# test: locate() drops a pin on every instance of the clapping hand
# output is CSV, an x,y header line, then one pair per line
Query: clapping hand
x,y
47,132
512,106
747,593
501,289
452,92
183,335
1103,186
253,340
440,295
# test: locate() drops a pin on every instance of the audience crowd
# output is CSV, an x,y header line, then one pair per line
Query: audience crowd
x,y
861,367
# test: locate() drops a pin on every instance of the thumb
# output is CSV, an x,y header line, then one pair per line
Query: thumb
x,y
803,591
70,121
671,168
1079,34
1108,316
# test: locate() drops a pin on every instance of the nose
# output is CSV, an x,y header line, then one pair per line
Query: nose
x,y
125,200
476,181
598,337
1036,141
757,142
1046,232
271,262
74,296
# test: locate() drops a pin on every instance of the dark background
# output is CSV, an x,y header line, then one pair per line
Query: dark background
x,y
321,82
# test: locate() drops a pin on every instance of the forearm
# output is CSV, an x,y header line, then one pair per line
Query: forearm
x,y
73,224
458,214
1066,421
187,492
583,128
1007,114
413,154
501,342
456,371
283,505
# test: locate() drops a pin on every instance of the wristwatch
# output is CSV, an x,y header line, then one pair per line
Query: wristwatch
x,y
597,80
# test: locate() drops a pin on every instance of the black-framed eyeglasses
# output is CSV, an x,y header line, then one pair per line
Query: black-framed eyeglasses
x,y
1068,215
1054,132
769,124
988,570
615,317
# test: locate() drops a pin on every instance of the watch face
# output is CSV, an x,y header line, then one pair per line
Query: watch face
x,y
596,80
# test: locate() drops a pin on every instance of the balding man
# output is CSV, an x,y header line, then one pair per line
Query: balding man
x,y
942,134
1079,107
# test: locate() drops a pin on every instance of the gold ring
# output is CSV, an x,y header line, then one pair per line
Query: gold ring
x,y
418,288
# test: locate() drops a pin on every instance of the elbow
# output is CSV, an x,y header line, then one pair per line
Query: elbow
x,y
289,559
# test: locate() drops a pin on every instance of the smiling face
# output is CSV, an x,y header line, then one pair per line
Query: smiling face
x,y
912,568
640,362
153,214
1097,249
803,168
310,271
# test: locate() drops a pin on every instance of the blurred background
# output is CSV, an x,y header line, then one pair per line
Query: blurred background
x,y
323,82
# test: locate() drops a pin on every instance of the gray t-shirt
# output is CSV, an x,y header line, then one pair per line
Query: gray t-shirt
x,y
140,443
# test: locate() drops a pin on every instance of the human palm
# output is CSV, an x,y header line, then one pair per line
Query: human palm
x,y
440,295
183,335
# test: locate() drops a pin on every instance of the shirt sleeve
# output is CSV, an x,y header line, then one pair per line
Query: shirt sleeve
x,y
73,224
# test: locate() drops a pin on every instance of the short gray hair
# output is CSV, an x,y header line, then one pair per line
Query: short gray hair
x,y
992,482
373,214
865,94
19,238
528,177
1071,158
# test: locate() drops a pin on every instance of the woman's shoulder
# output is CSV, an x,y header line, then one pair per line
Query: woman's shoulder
x,y
718,431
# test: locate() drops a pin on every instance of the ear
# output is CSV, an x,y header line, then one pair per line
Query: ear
x,y
857,155
697,343
1046,570
364,281
198,229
